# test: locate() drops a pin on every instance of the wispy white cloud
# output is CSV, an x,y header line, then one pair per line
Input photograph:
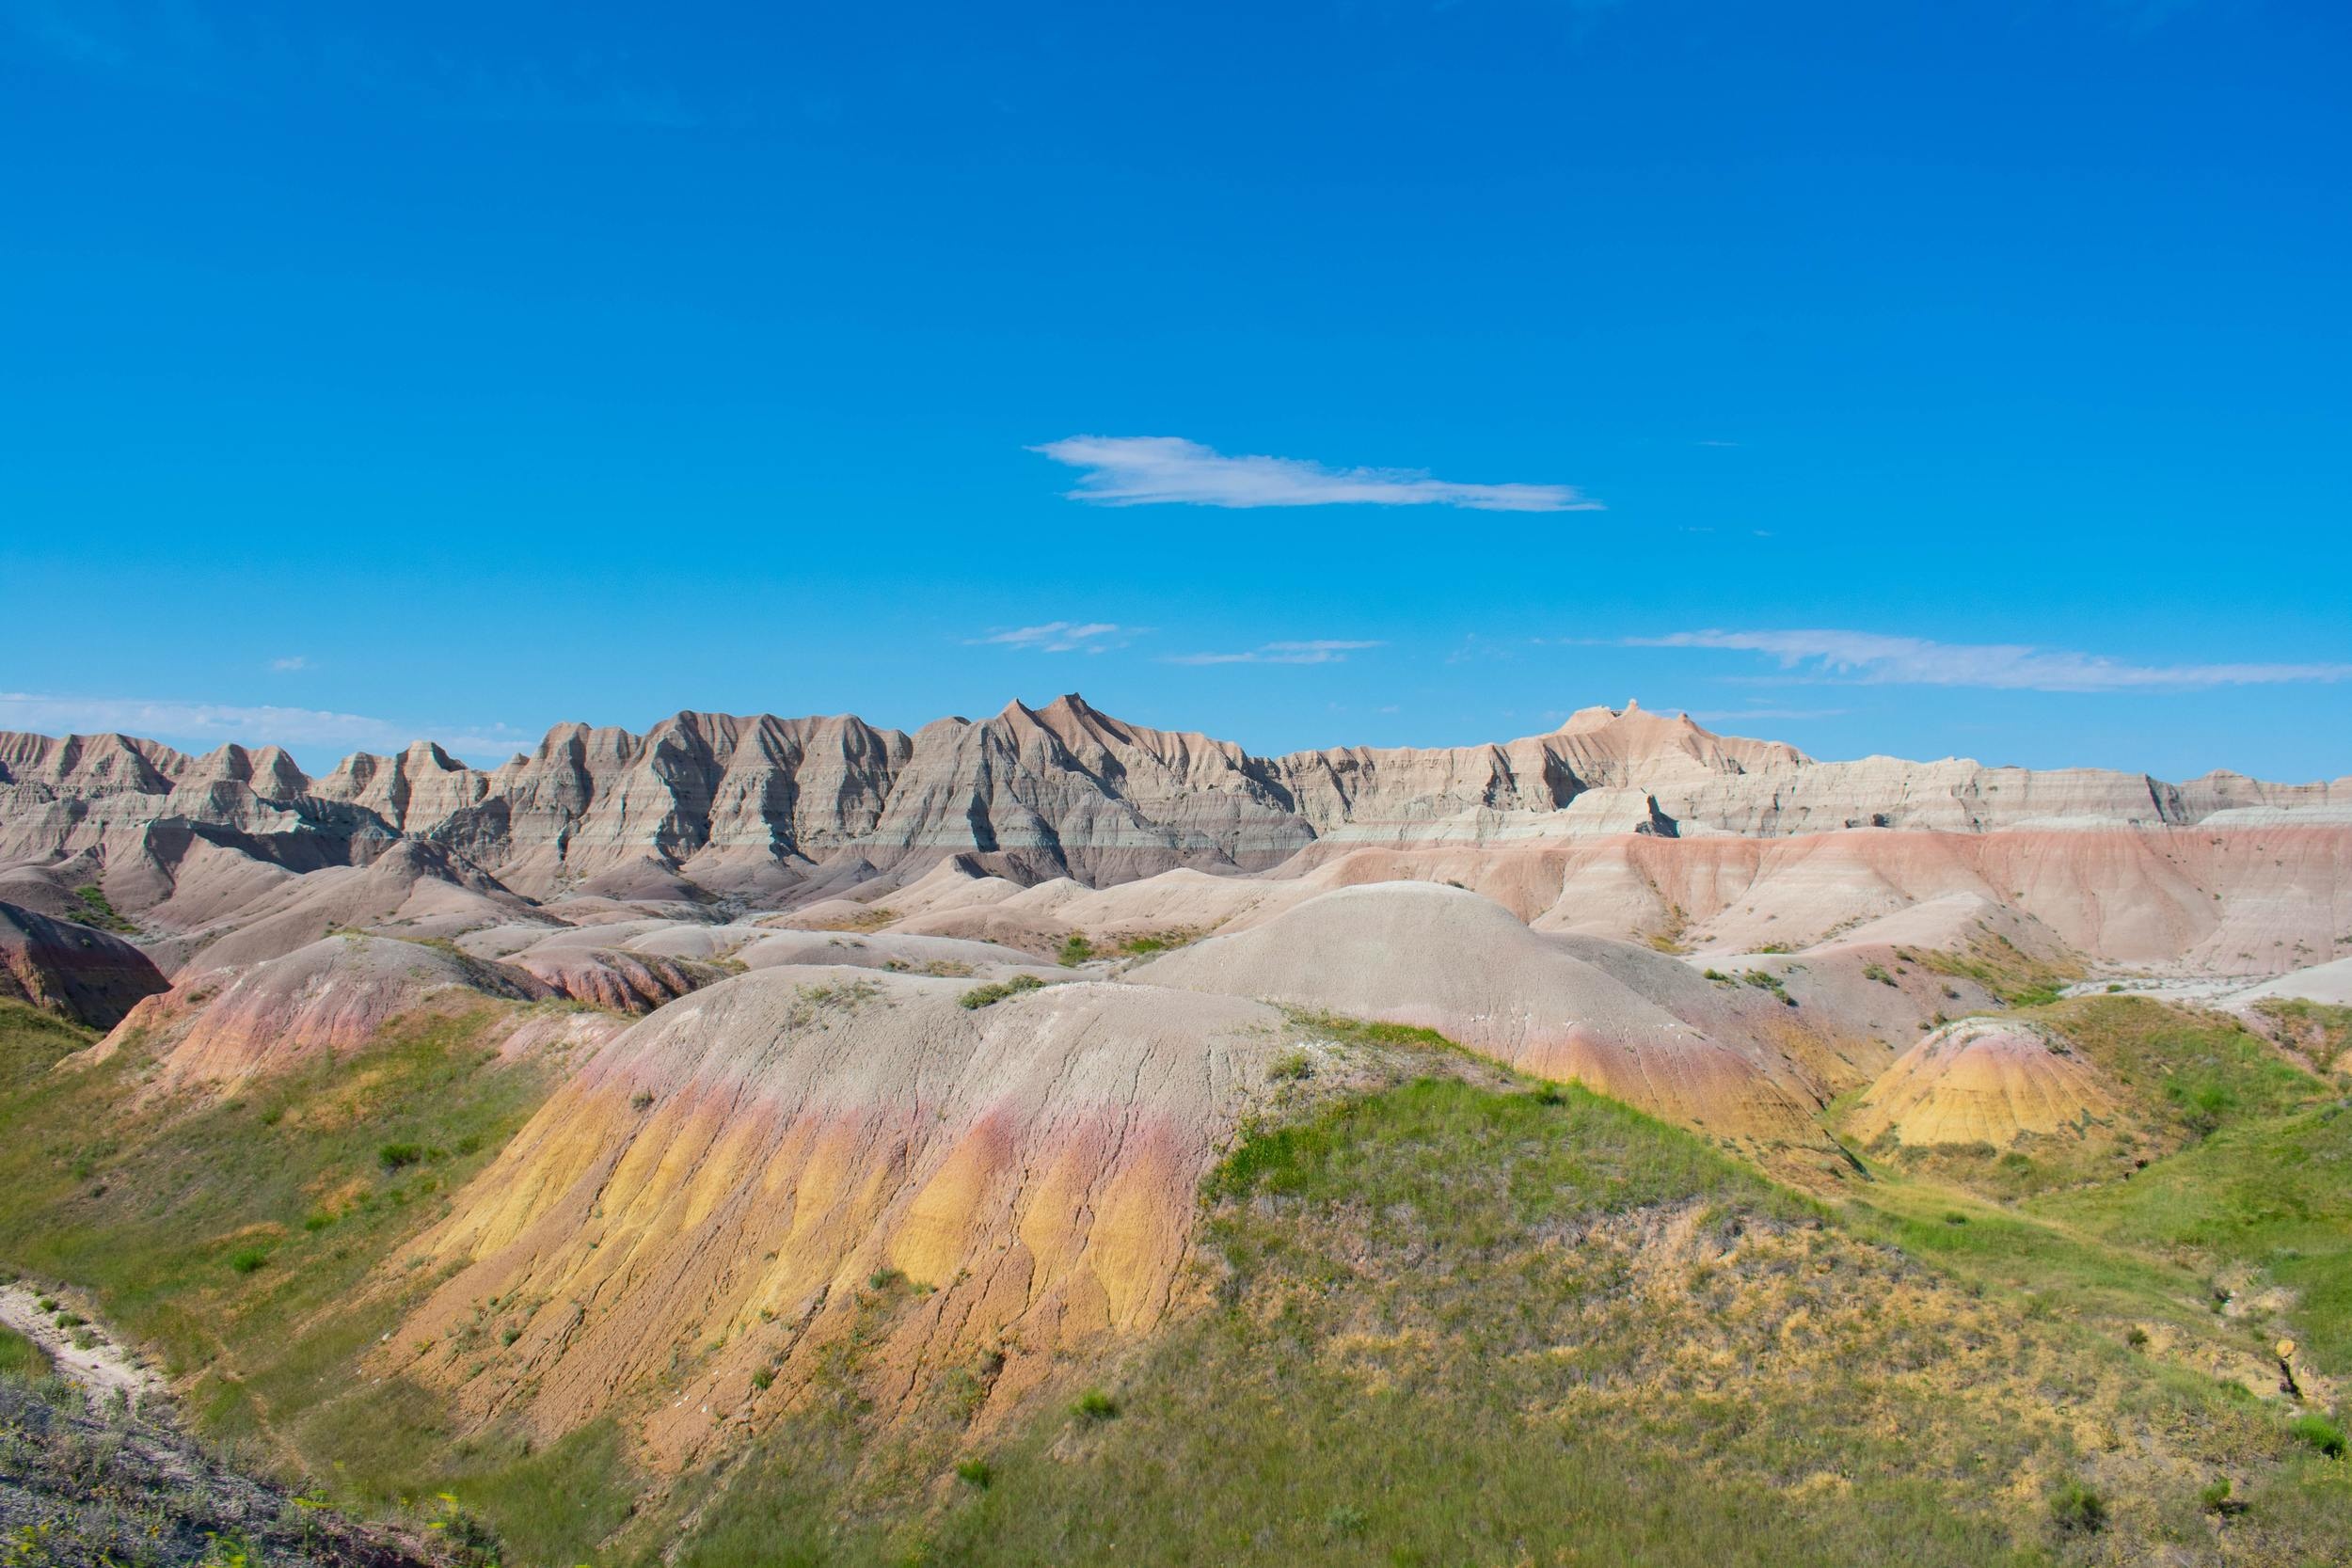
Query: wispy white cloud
x,y
1320,651
1874,657
292,661
184,723
1062,637
1140,470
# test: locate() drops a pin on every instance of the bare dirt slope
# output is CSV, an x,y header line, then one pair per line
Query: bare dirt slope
x,y
90,976
1633,1023
766,1163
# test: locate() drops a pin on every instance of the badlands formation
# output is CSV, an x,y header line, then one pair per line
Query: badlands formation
x,y
843,1068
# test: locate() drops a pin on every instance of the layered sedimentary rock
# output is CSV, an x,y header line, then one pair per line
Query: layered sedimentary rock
x,y
758,1166
90,976
1984,1080
1632,819
328,999
1629,1022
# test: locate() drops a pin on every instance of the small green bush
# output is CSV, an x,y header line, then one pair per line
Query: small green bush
x,y
1095,1405
1076,951
996,990
1290,1067
975,1472
247,1259
2077,1510
763,1378
394,1157
2216,1498
2320,1432
884,1279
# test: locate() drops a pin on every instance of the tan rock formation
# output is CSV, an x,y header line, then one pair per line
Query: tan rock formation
x,y
1984,1080
735,1169
1639,1025
90,976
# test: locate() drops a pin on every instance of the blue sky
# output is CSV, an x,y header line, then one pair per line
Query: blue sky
x,y
1925,379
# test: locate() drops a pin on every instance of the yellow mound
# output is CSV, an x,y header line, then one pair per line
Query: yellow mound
x,y
1989,1081
752,1175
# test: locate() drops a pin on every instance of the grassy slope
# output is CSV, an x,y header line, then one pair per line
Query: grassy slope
x,y
1455,1323
234,1241
2229,1173
1443,1321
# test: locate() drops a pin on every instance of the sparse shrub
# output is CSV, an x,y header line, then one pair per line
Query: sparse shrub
x,y
996,990
2320,1432
1095,1405
1343,1519
975,1472
1955,1218
1290,1067
1878,973
2076,1509
2214,1499
2136,1338
317,1219
884,1279
247,1259
508,1335
2201,1106
641,1100
398,1156
764,1379
1076,950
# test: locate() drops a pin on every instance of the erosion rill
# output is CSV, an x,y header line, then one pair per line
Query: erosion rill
x,y
1052,1139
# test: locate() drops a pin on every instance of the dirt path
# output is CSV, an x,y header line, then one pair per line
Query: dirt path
x,y
101,1368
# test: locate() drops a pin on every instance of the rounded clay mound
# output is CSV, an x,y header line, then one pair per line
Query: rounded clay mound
x,y
1984,1080
89,976
739,1168
1632,1024
332,997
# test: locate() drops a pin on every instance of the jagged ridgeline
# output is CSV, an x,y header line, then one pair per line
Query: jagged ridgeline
x,y
1050,1140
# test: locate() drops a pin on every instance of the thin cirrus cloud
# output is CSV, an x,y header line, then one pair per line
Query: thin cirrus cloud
x,y
1326,650
1145,470
1062,637
1873,657
189,722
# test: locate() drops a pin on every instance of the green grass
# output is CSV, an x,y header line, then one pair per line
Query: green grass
x,y
2321,1031
2015,978
1144,943
2230,1168
1454,1324
996,990
91,908
22,1359
2269,1196
244,1243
